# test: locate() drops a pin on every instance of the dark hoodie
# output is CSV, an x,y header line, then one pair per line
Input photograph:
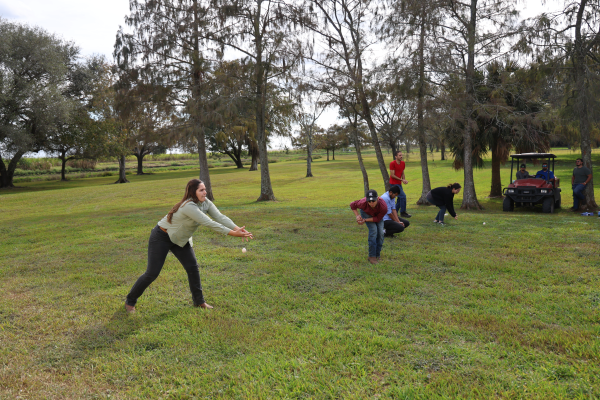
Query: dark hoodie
x,y
444,195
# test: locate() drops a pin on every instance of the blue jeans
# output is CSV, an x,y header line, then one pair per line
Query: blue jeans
x,y
375,235
441,213
401,201
578,195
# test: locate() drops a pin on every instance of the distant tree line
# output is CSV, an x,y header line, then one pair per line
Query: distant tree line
x,y
469,78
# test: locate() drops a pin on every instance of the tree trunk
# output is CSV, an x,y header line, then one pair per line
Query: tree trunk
x,y
140,161
253,150
443,150
426,187
366,114
309,158
204,175
5,182
393,146
582,105
469,195
360,162
236,157
359,153
333,154
327,154
203,163
7,173
238,163
3,175
122,176
266,190
63,159
496,190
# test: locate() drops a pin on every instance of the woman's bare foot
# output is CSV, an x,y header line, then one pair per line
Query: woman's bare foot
x,y
204,305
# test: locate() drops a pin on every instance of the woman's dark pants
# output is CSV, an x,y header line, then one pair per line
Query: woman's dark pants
x,y
158,248
440,215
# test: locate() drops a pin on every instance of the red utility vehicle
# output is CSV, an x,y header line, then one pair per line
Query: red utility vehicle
x,y
534,189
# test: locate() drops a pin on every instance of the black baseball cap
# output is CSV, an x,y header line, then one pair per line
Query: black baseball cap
x,y
523,166
371,195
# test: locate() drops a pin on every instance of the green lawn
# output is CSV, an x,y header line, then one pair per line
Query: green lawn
x,y
506,310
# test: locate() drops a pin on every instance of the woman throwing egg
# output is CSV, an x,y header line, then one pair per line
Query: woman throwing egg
x,y
174,233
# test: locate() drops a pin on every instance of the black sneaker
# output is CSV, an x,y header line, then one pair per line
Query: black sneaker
x,y
441,223
405,215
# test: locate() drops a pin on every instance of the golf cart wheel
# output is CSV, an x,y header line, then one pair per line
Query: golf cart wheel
x,y
508,204
548,205
557,202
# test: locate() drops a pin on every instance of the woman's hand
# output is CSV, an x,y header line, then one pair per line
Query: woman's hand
x,y
241,232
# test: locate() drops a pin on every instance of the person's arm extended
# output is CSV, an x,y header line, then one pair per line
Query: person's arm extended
x,y
216,215
241,232
354,206
359,219
450,205
394,217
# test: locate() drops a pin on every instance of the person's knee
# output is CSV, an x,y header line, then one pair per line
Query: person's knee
x,y
406,224
191,267
150,277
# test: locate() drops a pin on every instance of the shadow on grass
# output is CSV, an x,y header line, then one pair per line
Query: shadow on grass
x,y
96,338
119,327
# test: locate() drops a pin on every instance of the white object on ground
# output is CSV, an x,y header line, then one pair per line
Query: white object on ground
x,y
244,250
484,223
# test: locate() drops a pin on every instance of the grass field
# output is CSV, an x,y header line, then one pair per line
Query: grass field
x,y
510,309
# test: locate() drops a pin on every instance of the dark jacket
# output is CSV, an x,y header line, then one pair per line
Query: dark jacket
x,y
444,196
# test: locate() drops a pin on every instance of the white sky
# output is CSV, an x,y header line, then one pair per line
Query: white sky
x,y
93,25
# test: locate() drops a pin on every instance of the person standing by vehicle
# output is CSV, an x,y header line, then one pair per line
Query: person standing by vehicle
x,y
443,197
372,210
579,180
174,233
397,178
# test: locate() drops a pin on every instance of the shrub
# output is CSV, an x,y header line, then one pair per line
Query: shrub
x,y
82,164
32,164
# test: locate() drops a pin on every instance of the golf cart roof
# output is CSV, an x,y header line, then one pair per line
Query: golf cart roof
x,y
529,156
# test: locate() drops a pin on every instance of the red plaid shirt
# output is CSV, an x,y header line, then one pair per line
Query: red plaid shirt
x,y
378,212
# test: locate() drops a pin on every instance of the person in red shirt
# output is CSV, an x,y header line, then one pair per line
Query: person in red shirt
x,y
397,178
372,210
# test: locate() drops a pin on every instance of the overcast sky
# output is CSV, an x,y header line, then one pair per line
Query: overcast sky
x,y
93,25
